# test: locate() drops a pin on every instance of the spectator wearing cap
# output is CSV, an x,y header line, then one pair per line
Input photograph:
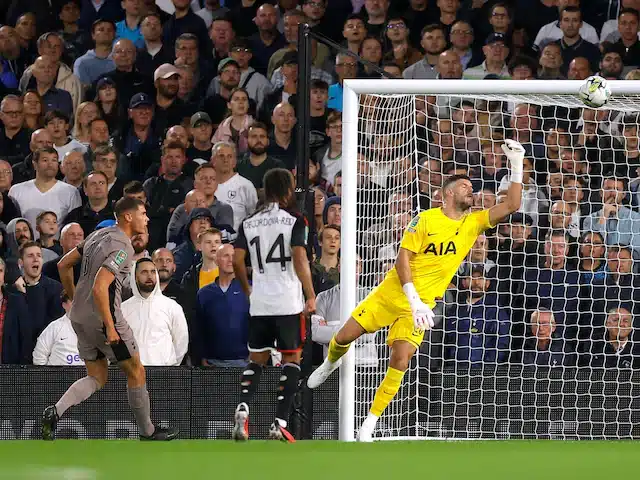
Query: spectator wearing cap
x,y
165,192
51,45
126,78
476,327
233,189
129,27
96,207
611,64
346,68
267,40
137,141
433,42
572,43
95,63
278,78
203,196
154,52
495,52
219,91
201,129
256,162
186,254
552,32
44,74
170,110
184,20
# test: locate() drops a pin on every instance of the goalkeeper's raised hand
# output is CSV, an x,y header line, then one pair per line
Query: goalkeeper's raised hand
x,y
515,154
423,316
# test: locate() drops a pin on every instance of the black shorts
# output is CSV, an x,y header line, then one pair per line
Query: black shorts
x,y
286,333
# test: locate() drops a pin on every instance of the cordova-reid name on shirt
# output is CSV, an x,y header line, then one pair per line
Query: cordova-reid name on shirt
x,y
267,222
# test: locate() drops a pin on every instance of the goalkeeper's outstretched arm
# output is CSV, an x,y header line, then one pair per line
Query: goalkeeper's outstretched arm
x,y
515,153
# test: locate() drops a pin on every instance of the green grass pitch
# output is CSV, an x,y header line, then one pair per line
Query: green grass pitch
x,y
325,460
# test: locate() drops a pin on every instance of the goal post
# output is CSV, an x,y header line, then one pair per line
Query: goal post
x,y
397,115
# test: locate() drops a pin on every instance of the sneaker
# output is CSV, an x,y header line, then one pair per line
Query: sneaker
x,y
49,422
240,432
365,434
278,432
161,434
320,375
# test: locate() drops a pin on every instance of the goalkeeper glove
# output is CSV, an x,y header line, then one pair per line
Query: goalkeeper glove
x,y
422,314
515,153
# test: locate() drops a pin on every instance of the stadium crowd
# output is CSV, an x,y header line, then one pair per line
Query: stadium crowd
x,y
186,104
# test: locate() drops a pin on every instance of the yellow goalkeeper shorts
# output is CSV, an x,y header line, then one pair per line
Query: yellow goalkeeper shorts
x,y
377,311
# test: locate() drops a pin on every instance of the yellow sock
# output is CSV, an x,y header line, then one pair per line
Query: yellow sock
x,y
386,391
336,351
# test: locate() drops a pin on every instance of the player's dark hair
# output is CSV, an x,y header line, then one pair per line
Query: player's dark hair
x,y
277,184
41,151
448,183
126,205
134,187
25,245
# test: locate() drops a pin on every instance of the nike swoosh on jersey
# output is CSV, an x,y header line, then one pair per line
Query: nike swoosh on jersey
x,y
431,234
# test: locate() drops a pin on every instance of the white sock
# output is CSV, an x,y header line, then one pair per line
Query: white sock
x,y
283,423
371,420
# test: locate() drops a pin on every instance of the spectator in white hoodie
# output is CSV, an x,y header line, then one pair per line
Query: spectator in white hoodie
x,y
58,344
158,322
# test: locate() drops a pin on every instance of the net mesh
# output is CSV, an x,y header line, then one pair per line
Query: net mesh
x,y
535,338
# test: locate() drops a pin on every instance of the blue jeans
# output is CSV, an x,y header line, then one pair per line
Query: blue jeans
x,y
237,362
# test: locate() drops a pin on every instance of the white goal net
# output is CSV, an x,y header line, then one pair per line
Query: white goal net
x,y
537,336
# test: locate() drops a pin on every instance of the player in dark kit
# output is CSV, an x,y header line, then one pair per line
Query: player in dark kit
x,y
96,317
276,239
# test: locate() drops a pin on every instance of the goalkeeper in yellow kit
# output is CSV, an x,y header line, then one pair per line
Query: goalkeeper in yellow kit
x,y
432,248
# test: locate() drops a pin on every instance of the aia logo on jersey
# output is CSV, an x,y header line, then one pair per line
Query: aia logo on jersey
x,y
231,194
441,248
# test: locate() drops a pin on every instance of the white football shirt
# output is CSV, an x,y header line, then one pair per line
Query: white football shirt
x,y
61,199
241,195
269,236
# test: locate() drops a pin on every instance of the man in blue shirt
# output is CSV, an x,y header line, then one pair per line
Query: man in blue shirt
x,y
220,329
129,28
346,68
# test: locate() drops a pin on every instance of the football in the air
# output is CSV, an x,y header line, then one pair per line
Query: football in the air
x,y
595,92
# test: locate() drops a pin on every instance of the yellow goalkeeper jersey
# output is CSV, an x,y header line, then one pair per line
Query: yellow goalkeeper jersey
x,y
440,245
